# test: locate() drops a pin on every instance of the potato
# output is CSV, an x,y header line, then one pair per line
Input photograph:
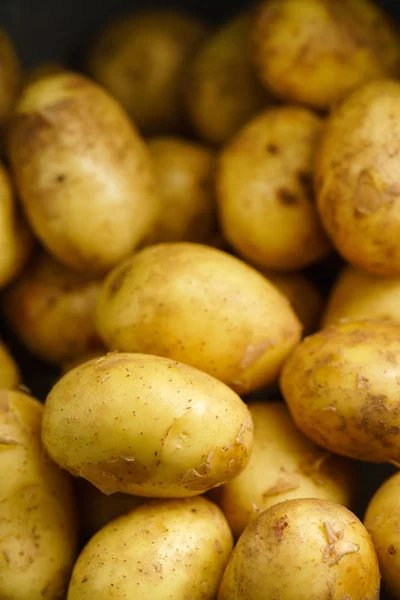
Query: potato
x,y
147,426
141,60
50,67
315,51
10,77
51,309
170,549
342,388
358,180
10,376
264,190
306,549
82,171
200,306
38,533
222,92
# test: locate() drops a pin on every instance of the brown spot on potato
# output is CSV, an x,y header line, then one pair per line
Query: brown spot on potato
x,y
279,527
391,550
118,280
273,149
286,197
306,181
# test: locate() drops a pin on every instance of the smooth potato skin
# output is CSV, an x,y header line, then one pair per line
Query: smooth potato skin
x,y
306,549
202,307
83,173
10,77
10,376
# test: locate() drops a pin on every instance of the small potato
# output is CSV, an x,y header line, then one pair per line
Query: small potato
x,y
147,426
10,77
264,190
141,60
38,533
83,173
51,309
173,549
10,376
342,388
222,92
304,549
200,306
315,51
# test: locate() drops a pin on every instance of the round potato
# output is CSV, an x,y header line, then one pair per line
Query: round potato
x,y
315,51
342,388
38,533
203,307
222,92
82,171
147,426
51,309
172,549
264,190
10,376
306,549
141,60
10,77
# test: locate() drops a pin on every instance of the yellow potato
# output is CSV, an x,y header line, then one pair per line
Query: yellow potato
x,y
222,92
173,549
10,376
50,67
82,171
147,426
38,533
141,60
51,309
264,190
305,550
342,388
200,306
357,178
315,51
284,465
10,77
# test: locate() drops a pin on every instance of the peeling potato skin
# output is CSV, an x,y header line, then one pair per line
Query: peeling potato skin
x,y
38,534
200,306
342,388
10,376
146,426
10,77
306,549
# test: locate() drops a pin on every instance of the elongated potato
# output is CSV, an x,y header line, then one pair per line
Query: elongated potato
x,y
147,426
200,306
38,533
82,171
10,77
10,376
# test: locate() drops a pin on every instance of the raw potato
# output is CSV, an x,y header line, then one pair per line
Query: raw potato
x,y
202,307
147,426
222,92
315,51
358,179
173,549
10,77
284,465
141,60
82,171
51,309
10,376
342,388
264,190
306,549
38,534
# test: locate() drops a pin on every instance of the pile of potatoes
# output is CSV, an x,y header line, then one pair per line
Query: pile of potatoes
x,y
166,216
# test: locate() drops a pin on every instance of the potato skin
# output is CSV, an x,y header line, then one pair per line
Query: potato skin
x,y
10,77
306,549
314,52
202,307
146,426
338,390
38,536
264,190
82,171
10,376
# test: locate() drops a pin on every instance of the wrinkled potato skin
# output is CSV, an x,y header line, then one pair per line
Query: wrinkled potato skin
x,y
10,376
51,309
341,386
264,190
314,52
83,173
202,307
357,178
284,465
147,426
38,535
173,549
222,92
306,549
10,77
141,60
